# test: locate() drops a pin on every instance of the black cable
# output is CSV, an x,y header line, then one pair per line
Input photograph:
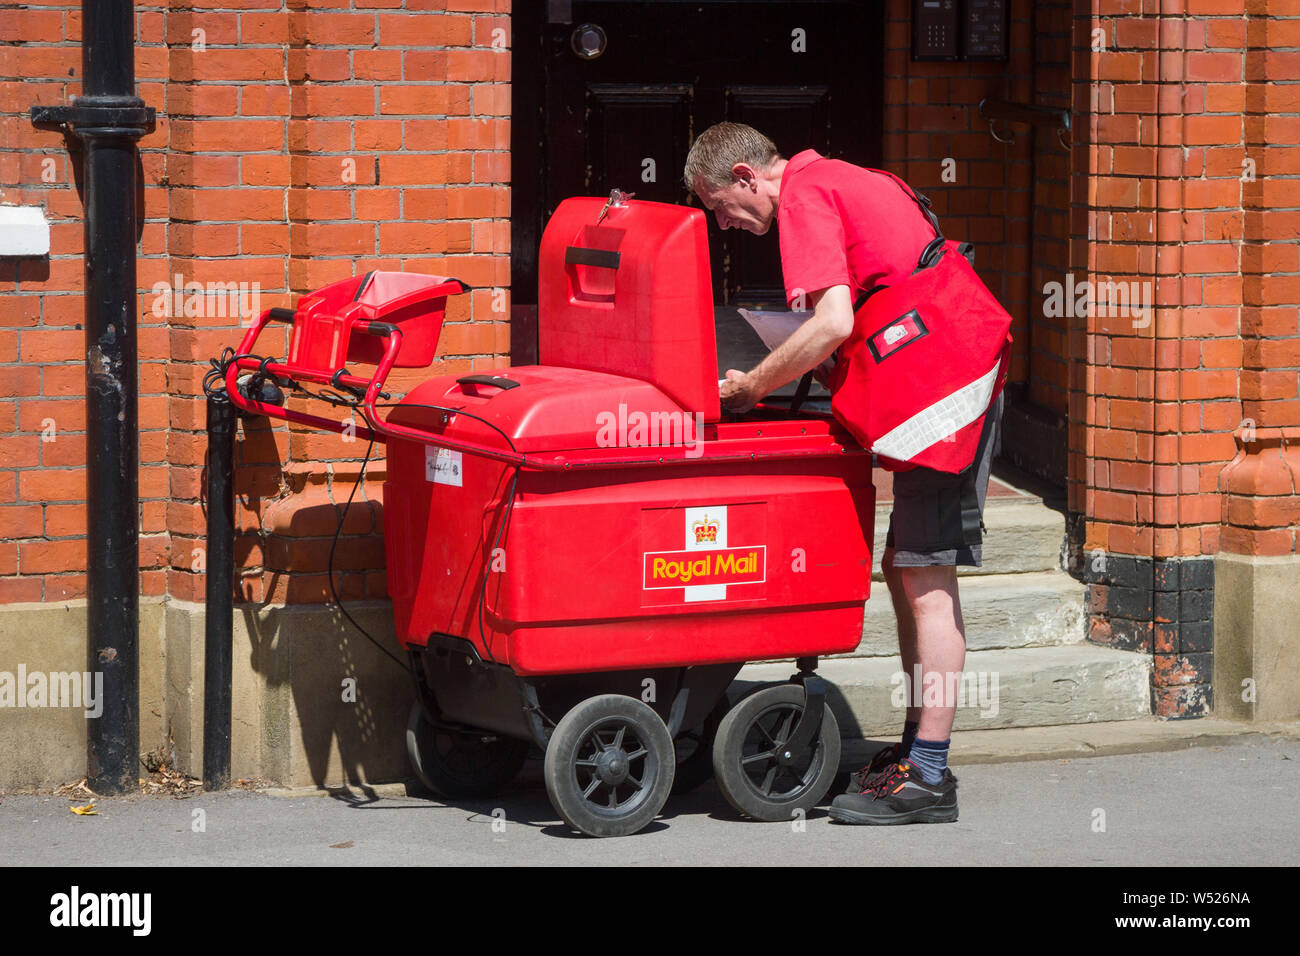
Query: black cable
x,y
334,544
453,411
332,397
487,562
217,372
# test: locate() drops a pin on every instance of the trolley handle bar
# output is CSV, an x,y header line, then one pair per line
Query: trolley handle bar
x,y
381,430
369,388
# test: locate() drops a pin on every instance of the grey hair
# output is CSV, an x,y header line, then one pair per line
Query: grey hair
x,y
721,147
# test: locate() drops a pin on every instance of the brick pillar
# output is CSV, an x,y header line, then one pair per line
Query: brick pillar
x,y
1258,567
1158,390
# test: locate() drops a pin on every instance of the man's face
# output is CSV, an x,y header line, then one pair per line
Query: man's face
x,y
742,205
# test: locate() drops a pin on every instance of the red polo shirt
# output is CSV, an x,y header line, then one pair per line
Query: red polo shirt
x,y
840,224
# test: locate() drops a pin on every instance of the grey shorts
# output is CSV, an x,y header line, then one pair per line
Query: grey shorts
x,y
937,517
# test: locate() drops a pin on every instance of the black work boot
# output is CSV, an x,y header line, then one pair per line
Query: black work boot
x,y
859,780
898,795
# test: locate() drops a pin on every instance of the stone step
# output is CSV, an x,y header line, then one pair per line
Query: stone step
x,y
1024,535
999,611
1026,687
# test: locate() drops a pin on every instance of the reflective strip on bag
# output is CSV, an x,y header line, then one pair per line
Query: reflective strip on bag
x,y
945,417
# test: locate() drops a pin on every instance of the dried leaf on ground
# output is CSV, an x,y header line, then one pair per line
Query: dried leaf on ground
x,y
168,782
77,791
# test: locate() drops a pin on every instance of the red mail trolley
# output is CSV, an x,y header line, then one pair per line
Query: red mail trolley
x,y
581,554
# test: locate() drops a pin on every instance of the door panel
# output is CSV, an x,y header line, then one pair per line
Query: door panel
x,y
806,74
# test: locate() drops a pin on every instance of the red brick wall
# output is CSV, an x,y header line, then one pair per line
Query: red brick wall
x,y
1161,464
1181,102
244,182
931,113
1261,507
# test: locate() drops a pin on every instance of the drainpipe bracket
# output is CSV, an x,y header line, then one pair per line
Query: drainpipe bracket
x,y
98,117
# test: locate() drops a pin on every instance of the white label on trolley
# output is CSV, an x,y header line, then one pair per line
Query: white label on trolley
x,y
442,466
706,530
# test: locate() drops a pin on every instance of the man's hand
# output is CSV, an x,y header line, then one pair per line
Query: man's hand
x,y
737,392
810,345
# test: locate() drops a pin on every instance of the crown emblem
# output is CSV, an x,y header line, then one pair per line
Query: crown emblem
x,y
705,530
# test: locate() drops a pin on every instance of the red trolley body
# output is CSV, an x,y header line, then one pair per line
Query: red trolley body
x,y
702,541
561,536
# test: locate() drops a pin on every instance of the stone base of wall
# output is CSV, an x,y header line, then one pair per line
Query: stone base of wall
x,y
1162,607
296,720
1257,637
46,746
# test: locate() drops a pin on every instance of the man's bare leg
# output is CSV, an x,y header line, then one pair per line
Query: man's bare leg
x,y
906,628
931,597
931,635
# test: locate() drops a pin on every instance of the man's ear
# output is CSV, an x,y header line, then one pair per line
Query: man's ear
x,y
745,174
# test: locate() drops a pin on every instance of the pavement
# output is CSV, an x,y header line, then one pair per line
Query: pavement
x,y
1132,793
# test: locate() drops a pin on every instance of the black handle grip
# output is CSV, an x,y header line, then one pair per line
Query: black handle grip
x,y
582,256
499,381
282,315
383,329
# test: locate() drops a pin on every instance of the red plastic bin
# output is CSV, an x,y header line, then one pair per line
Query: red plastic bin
x,y
323,327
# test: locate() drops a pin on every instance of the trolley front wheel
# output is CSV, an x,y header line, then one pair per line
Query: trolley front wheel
x,y
461,764
609,766
757,773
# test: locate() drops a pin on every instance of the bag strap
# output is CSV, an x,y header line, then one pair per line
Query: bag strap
x,y
801,393
971,523
930,254
933,250
921,200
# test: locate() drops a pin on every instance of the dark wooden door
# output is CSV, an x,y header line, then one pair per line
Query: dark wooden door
x,y
807,74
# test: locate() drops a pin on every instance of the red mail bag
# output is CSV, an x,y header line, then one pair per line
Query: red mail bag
x,y
927,357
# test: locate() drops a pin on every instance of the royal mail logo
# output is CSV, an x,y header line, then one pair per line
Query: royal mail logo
x,y
679,569
902,331
705,530
705,561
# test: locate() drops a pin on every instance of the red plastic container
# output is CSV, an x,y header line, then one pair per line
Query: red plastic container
x,y
601,570
702,543
324,326
631,295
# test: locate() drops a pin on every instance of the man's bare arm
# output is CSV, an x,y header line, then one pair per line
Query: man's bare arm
x,y
810,345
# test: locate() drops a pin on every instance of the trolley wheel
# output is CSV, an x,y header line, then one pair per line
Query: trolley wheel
x,y
746,755
695,751
460,765
609,766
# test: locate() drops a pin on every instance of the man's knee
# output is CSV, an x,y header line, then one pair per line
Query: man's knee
x,y
926,585
892,572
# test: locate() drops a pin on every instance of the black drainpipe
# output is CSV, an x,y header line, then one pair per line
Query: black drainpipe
x,y
109,118
218,613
